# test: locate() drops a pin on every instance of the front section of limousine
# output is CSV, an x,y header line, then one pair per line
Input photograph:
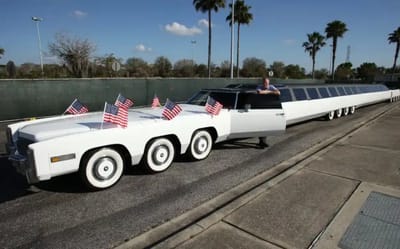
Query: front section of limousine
x,y
21,156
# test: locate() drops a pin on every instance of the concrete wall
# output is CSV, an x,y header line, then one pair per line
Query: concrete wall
x,y
34,98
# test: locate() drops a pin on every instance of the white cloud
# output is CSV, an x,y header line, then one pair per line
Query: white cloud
x,y
142,48
203,23
180,29
80,14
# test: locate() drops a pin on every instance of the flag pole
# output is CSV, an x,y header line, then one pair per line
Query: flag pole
x,y
102,121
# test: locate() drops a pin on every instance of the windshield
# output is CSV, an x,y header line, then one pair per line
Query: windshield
x,y
227,99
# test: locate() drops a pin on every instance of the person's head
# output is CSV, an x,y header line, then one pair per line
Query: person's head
x,y
266,82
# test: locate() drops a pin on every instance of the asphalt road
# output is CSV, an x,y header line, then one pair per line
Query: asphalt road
x,y
60,213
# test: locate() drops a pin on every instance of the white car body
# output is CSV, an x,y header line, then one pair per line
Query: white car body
x,y
45,148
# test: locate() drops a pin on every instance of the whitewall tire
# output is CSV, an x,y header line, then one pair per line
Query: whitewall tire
x,y
102,168
159,155
330,116
201,145
338,113
346,111
352,110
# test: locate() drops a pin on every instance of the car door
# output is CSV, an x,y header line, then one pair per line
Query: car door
x,y
257,115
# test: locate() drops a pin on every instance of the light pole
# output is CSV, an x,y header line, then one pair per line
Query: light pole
x,y
37,20
232,37
193,42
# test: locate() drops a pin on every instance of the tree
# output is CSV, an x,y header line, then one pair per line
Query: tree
x,y
335,30
395,38
102,66
1,52
344,71
184,68
278,67
206,6
74,53
321,74
11,69
367,71
315,42
137,67
295,72
241,16
162,67
254,67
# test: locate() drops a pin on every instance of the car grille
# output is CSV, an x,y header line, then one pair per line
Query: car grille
x,y
22,145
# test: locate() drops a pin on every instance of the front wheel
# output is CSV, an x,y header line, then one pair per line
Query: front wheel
x,y
101,169
159,155
201,144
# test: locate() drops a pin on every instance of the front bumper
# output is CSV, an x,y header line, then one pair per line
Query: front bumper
x,y
24,165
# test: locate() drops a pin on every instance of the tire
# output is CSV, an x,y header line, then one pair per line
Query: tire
x,y
159,155
338,113
330,116
102,168
352,110
200,145
346,111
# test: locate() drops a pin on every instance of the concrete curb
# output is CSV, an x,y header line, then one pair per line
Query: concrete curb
x,y
197,220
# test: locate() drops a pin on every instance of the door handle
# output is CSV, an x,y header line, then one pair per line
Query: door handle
x,y
280,114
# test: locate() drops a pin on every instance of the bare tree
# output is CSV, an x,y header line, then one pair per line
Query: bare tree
x,y
74,53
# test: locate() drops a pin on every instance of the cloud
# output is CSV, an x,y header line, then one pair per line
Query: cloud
x,y
142,48
180,29
79,14
203,23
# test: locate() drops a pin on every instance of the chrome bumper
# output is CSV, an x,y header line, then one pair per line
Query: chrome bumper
x,y
24,166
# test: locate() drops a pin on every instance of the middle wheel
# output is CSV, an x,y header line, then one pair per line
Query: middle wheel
x,y
159,155
201,144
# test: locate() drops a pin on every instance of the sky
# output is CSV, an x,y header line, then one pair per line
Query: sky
x,y
174,29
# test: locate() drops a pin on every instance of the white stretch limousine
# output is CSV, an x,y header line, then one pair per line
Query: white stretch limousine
x,y
48,147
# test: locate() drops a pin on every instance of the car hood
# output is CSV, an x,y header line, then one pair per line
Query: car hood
x,y
48,128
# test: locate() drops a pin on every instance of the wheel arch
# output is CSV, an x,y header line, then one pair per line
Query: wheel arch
x,y
121,149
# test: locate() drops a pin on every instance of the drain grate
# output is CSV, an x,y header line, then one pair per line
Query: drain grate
x,y
376,226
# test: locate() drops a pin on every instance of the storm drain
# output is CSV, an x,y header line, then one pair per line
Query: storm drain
x,y
376,226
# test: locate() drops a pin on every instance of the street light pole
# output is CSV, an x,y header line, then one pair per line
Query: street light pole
x,y
37,20
232,36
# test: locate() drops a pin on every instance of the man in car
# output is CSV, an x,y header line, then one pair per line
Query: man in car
x,y
266,88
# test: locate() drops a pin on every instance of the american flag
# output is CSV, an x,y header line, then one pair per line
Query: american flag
x,y
123,102
116,115
171,110
213,106
76,108
156,102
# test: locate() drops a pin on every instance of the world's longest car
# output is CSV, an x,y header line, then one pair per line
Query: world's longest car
x,y
49,147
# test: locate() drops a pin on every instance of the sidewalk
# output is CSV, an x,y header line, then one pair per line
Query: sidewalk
x,y
346,195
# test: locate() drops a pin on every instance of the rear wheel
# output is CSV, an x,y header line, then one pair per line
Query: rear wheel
x,y
159,155
102,168
352,110
330,116
346,111
201,144
338,113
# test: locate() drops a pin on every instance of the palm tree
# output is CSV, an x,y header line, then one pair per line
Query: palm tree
x,y
208,6
241,16
395,38
1,52
315,42
335,30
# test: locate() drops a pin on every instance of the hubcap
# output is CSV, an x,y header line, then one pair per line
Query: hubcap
x,y
104,168
160,155
201,145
